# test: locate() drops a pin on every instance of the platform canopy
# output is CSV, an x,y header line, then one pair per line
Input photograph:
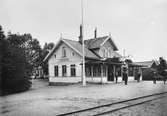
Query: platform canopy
x,y
136,65
109,61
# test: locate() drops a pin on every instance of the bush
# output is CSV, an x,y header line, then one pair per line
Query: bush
x,y
148,74
14,71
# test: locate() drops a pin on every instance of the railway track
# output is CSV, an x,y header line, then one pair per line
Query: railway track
x,y
116,106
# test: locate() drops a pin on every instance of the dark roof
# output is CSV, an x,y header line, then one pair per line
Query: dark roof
x,y
96,42
78,46
89,46
145,63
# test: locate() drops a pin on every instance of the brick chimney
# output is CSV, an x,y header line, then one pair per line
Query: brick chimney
x,y
80,36
95,33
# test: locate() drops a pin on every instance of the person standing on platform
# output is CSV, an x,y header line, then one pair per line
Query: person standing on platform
x,y
154,77
126,78
138,76
164,79
125,74
116,76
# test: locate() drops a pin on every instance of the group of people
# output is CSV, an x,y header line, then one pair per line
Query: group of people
x,y
156,76
125,75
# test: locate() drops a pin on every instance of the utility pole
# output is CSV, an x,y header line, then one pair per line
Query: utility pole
x,y
83,46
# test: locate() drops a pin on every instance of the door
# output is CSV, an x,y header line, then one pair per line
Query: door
x,y
110,73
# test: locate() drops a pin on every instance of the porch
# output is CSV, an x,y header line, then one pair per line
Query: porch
x,y
102,71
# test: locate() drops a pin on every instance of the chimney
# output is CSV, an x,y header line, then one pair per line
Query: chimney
x,y
95,33
80,36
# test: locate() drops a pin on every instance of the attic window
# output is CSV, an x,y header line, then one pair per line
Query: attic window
x,y
73,53
63,52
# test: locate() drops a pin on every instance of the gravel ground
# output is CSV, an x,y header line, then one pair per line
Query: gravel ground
x,y
51,100
153,108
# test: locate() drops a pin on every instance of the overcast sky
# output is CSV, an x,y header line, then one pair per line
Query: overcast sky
x,y
138,26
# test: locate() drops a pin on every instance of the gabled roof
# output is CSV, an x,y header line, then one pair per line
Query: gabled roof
x,y
146,63
76,46
97,42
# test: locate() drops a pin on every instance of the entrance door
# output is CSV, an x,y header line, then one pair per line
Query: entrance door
x,y
110,73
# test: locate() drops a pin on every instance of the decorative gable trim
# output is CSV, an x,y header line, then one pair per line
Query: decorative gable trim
x,y
50,52
109,38
105,41
61,39
72,47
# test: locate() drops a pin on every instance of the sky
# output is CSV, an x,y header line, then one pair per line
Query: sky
x,y
138,26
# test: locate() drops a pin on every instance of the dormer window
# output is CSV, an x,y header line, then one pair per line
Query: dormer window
x,y
63,52
73,53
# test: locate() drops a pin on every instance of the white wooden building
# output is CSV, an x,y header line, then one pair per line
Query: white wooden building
x,y
65,60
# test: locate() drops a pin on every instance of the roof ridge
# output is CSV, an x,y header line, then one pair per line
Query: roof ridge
x,y
69,39
97,38
147,61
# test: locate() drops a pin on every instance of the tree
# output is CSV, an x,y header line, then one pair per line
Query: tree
x,y
47,47
15,75
2,50
19,54
31,47
162,66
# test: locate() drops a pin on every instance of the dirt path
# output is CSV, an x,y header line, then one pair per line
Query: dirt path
x,y
51,100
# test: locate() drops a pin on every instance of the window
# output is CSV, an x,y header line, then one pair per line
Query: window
x,y
97,71
73,70
73,53
64,52
64,70
88,71
104,70
103,51
56,70
94,71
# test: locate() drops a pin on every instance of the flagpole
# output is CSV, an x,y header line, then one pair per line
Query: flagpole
x,y
83,50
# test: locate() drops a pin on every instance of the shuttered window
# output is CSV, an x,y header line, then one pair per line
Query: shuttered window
x,y
56,71
63,52
73,70
64,70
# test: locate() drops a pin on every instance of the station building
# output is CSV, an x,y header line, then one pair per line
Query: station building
x,y
65,60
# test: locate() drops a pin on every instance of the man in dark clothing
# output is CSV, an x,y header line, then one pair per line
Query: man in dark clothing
x,y
154,77
125,77
164,79
164,75
124,74
138,76
116,76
